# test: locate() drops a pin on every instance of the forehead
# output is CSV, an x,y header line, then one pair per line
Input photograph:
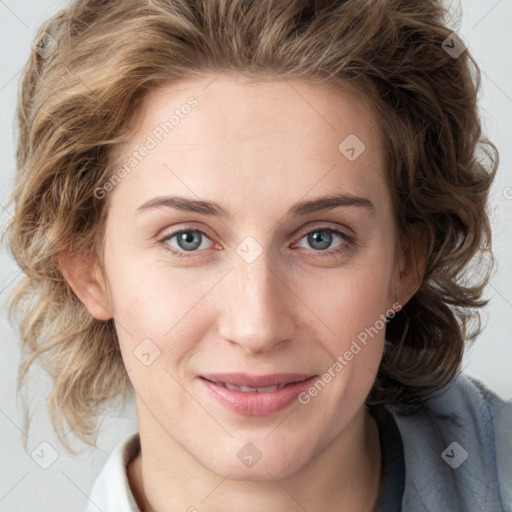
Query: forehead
x,y
233,109
219,131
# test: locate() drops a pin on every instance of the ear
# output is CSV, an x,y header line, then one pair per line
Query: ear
x,y
85,278
411,266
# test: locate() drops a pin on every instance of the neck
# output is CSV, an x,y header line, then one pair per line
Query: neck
x,y
345,476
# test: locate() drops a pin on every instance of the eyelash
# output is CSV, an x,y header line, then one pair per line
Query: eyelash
x,y
348,242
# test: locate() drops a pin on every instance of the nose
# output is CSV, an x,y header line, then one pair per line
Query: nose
x,y
257,306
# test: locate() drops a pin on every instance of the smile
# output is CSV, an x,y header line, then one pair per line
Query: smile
x,y
255,395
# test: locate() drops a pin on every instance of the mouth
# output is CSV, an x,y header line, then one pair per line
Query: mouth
x,y
247,389
255,383
254,395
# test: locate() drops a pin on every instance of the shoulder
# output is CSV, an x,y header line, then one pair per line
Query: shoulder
x,y
111,489
459,442
491,416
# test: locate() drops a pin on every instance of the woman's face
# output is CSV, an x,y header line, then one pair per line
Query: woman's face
x,y
222,258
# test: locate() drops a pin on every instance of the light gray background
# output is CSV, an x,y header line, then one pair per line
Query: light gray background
x,y
24,486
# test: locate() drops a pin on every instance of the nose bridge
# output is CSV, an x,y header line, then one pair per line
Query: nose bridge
x,y
257,314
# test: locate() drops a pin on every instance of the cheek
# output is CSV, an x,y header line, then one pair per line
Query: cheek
x,y
156,334
352,298
351,352
152,307
351,307
148,295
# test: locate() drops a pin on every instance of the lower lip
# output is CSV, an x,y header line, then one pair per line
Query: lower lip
x,y
252,403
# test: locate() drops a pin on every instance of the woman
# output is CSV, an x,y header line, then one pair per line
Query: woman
x,y
259,217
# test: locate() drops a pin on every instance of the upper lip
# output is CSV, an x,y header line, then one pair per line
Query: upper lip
x,y
256,381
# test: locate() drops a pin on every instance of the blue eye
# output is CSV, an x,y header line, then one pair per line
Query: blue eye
x,y
193,240
322,238
188,241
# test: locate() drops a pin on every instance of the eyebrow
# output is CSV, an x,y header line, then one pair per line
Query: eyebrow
x,y
298,209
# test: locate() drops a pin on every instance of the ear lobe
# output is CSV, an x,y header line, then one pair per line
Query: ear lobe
x,y
85,279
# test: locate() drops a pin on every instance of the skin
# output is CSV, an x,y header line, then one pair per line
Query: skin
x,y
256,149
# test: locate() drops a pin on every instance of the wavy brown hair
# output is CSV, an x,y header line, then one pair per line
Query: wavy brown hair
x,y
96,62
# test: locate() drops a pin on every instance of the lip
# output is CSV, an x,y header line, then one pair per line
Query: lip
x,y
256,381
254,403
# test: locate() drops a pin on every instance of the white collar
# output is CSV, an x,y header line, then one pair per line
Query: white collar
x,y
111,490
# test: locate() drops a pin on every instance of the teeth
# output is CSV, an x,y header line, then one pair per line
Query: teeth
x,y
247,389
267,389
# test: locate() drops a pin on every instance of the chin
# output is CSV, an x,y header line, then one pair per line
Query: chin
x,y
256,461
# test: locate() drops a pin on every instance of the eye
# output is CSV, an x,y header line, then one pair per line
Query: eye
x,y
192,241
187,240
322,238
